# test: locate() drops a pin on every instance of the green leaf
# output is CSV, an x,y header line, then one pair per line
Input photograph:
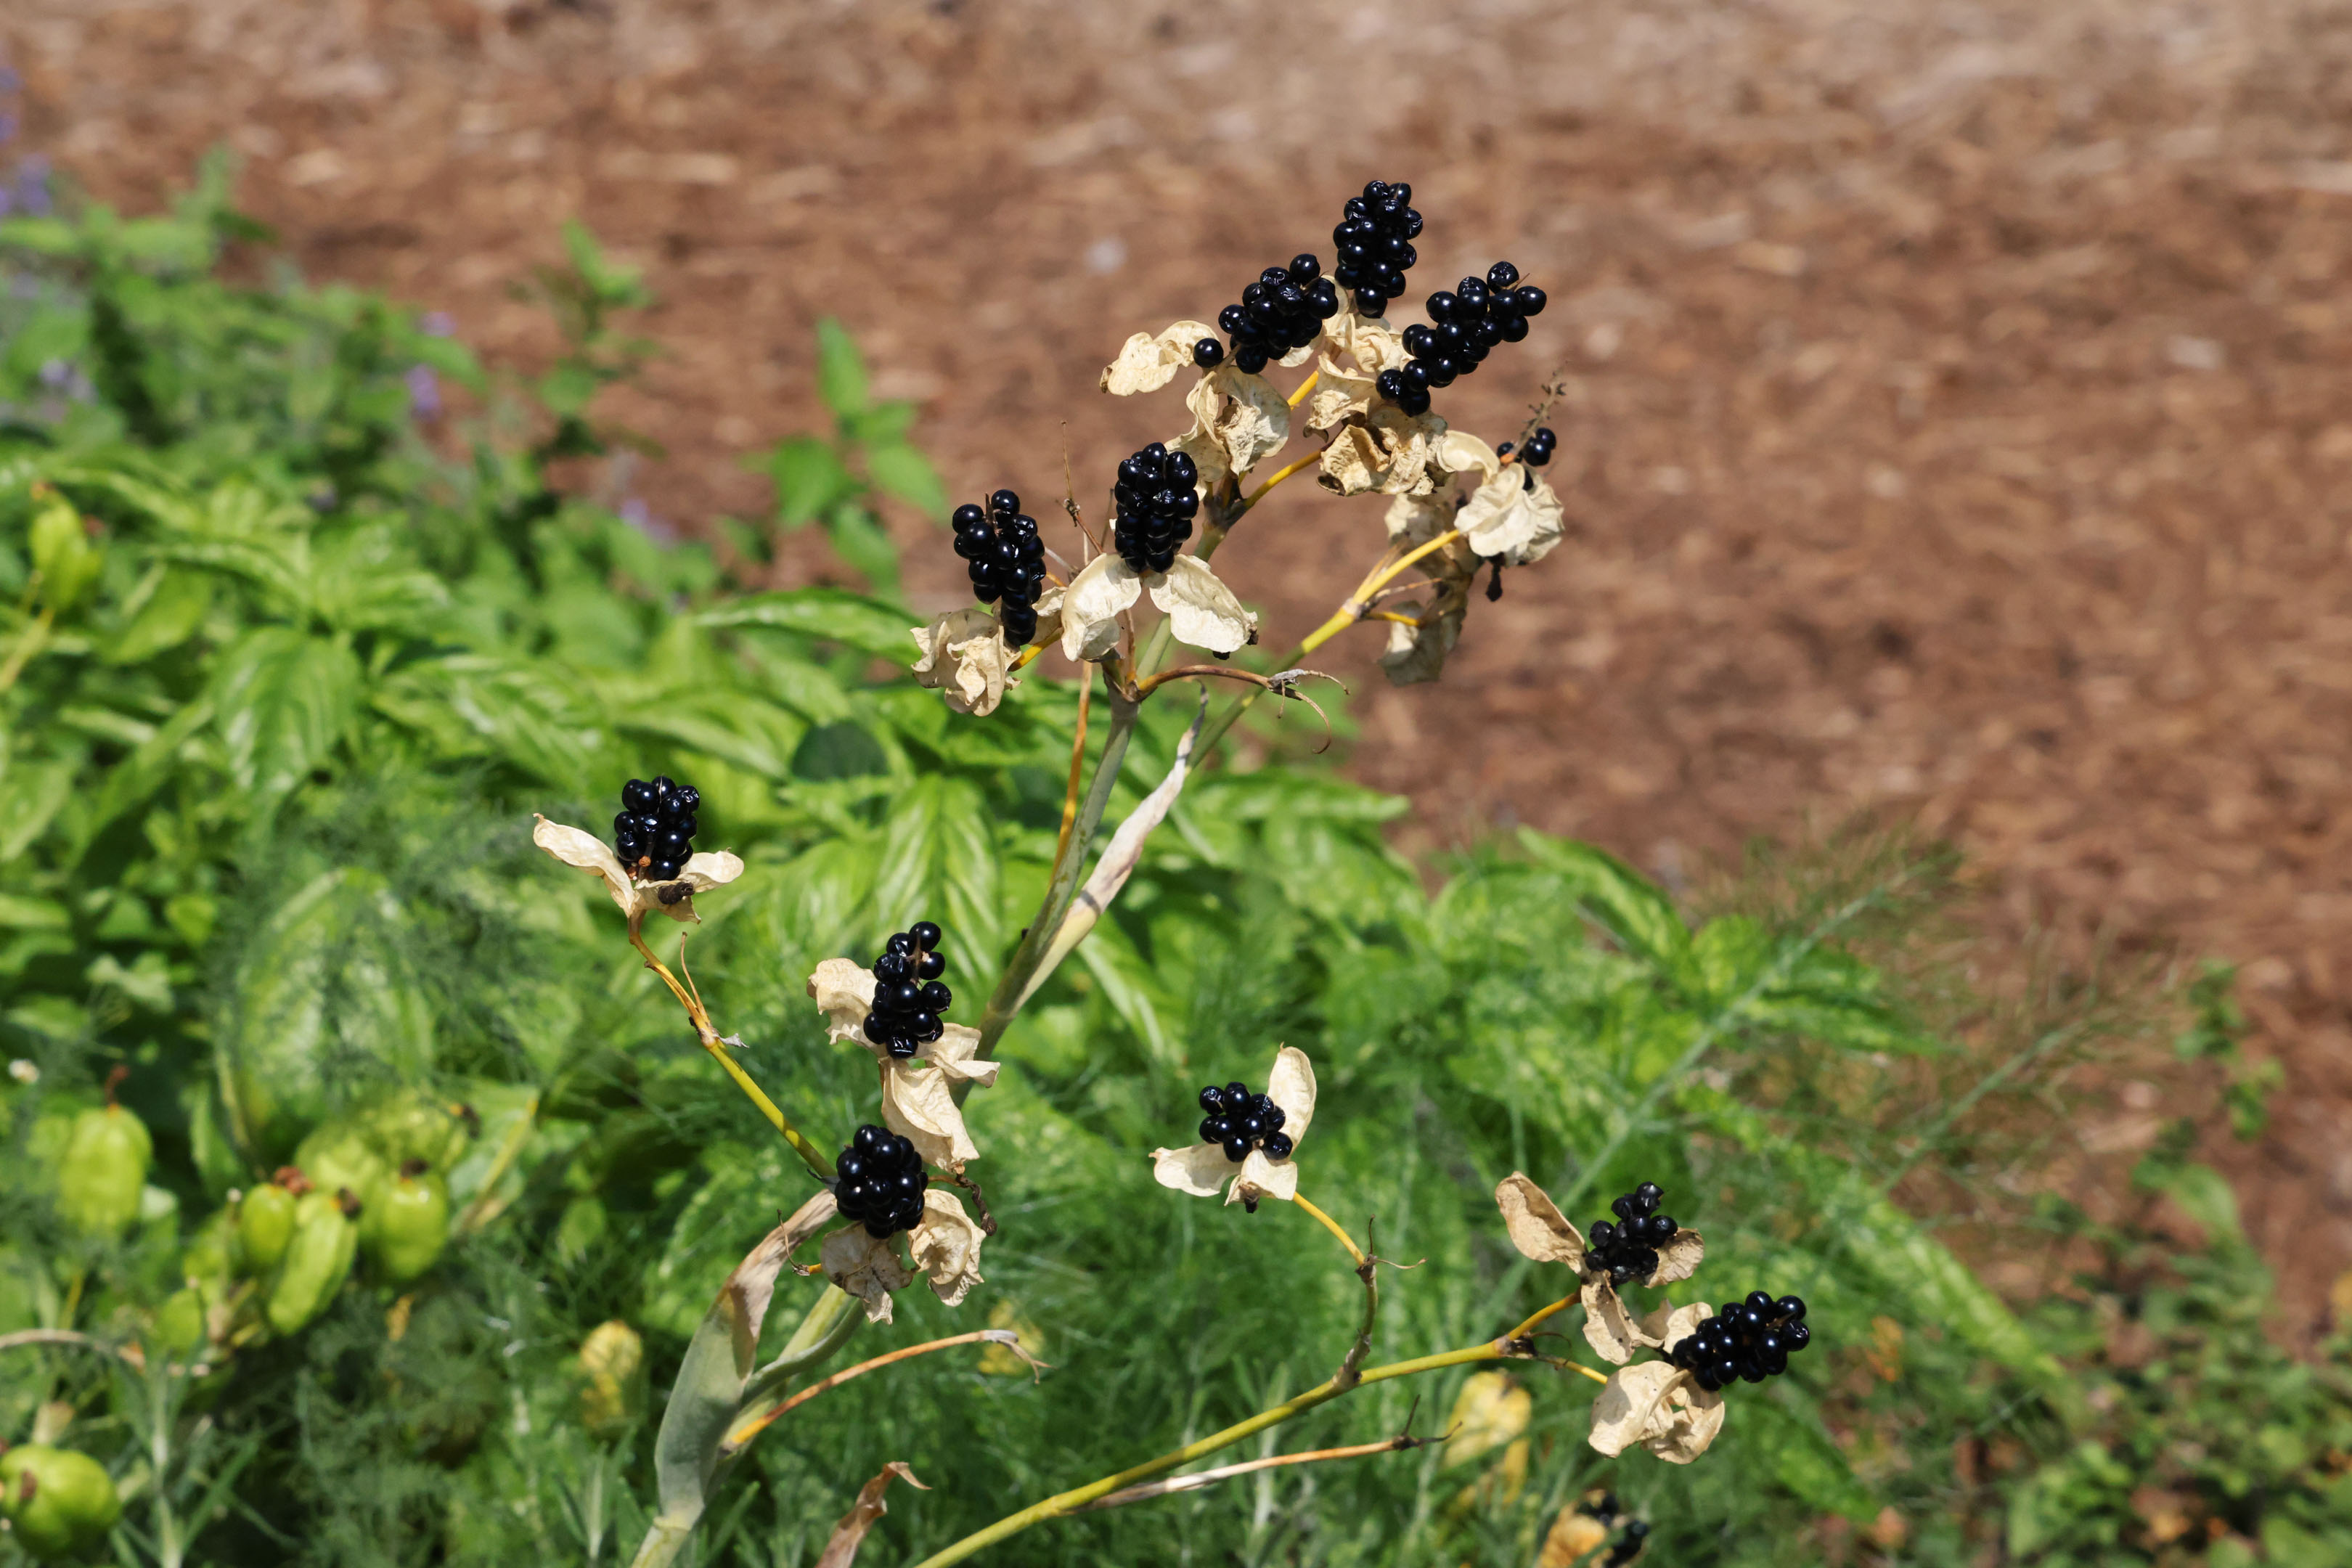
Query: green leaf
x,y
169,617
833,614
899,469
721,1360
840,370
1626,905
809,478
282,701
865,549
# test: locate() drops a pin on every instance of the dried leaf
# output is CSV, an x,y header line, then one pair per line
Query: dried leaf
x,y
842,1548
1148,363
1105,588
966,660
1490,1411
1205,613
1536,1227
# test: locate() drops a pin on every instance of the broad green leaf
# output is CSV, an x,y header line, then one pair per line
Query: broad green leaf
x,y
168,617
324,995
282,700
830,615
864,548
1628,906
900,470
809,478
840,369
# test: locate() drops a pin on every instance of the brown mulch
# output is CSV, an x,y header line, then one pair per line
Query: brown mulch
x,y
1955,407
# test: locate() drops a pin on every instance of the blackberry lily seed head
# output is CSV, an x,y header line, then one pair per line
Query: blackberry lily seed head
x,y
1256,1132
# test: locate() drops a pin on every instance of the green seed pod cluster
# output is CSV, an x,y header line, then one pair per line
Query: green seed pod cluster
x,y
102,1169
318,1258
58,1503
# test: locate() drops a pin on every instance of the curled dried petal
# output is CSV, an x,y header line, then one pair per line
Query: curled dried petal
x,y
1200,1169
1607,1327
1263,1177
1536,1227
966,660
945,1245
1660,1406
1678,1259
577,847
1149,362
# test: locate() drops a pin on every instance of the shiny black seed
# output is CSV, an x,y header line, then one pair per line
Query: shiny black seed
x,y
1236,1148
1208,352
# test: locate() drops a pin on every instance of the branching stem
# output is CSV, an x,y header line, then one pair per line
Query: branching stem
x,y
1199,1479
1321,1394
821,1167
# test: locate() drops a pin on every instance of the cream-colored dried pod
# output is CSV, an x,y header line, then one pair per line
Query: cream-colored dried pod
x,y
1535,1224
1416,653
1660,1406
1205,611
844,992
966,660
918,1100
1506,517
1151,360
1246,414
1101,592
867,1267
1608,1327
945,1246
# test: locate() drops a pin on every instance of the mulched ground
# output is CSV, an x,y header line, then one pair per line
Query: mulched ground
x,y
1954,400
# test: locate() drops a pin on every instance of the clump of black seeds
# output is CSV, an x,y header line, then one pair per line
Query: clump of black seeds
x,y
1158,494
1241,1121
1539,449
1375,239
1749,1340
1629,1545
1629,1249
909,995
1464,324
654,833
1007,560
881,1182
1282,310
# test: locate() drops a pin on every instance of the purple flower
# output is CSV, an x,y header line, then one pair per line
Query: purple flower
x,y
32,188
423,393
639,516
438,324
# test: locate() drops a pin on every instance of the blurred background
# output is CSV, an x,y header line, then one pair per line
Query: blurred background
x,y
1951,397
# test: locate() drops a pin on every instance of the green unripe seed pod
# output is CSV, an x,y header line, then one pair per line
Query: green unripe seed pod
x,y
59,1502
104,1168
405,1233
343,1155
180,1322
265,1220
411,1125
317,1262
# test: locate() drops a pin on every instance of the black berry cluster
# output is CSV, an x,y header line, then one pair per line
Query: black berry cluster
x,y
1629,1545
1158,494
909,995
1375,239
1467,323
882,1182
1539,449
1007,560
1282,310
1629,1249
655,830
1749,1339
1241,1122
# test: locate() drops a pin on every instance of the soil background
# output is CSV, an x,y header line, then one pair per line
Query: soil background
x,y
1955,406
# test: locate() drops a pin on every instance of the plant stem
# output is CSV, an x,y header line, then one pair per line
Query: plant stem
x,y
821,1167
1358,605
750,1427
1078,776
1322,1393
34,638
1333,1227
485,1204
1010,986
1195,1482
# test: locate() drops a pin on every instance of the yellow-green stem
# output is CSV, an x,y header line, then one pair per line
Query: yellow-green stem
x,y
819,1166
28,642
1333,1227
1322,1393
